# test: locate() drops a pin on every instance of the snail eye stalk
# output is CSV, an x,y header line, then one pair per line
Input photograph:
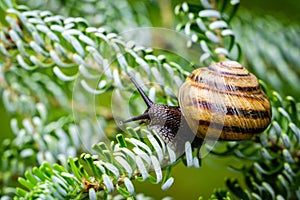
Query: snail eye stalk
x,y
137,118
146,99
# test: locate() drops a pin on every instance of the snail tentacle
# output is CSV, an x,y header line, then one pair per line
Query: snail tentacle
x,y
148,101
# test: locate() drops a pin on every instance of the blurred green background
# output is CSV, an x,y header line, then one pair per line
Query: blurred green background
x,y
189,182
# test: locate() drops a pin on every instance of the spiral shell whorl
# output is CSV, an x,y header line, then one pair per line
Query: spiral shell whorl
x,y
224,101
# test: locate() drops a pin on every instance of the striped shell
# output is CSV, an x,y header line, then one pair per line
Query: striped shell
x,y
224,101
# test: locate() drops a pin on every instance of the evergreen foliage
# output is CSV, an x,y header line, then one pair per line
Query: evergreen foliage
x,y
52,67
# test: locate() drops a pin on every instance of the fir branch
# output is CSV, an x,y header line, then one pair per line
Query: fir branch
x,y
272,55
33,52
210,27
112,168
106,14
88,51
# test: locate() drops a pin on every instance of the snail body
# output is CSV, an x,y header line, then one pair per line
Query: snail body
x,y
223,101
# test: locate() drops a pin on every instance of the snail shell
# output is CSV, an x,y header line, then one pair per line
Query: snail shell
x,y
224,101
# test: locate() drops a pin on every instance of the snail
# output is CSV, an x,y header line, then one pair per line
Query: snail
x,y
221,102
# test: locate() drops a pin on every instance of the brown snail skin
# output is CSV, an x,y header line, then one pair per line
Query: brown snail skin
x,y
220,102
